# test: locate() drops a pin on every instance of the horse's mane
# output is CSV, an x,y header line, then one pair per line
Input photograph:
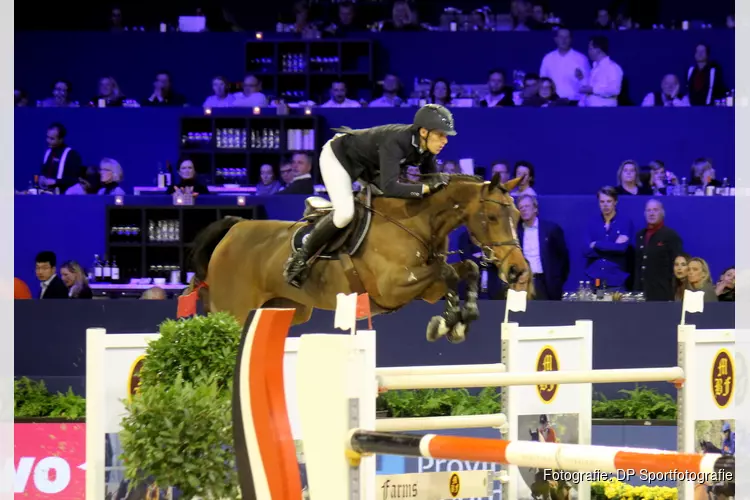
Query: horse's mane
x,y
475,179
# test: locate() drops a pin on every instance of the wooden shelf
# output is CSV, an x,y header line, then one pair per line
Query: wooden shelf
x,y
134,257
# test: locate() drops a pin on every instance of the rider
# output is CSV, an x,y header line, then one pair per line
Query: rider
x,y
376,156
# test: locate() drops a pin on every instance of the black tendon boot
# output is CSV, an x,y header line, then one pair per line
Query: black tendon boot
x,y
295,271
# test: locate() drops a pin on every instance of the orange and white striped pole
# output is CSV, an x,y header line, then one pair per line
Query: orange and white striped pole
x,y
570,457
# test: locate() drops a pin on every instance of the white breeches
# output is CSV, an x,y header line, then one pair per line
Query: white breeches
x,y
338,183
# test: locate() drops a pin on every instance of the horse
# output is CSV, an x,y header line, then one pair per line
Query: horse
x,y
394,250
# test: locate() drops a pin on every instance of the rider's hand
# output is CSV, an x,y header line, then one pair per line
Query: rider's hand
x,y
437,183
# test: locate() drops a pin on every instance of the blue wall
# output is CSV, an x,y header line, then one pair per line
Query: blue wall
x,y
74,226
645,57
50,334
575,151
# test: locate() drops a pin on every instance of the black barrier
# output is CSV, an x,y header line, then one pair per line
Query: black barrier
x,y
50,336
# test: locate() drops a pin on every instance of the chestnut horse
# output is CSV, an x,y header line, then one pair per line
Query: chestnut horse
x,y
395,250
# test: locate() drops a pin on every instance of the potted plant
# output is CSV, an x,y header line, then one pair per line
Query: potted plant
x,y
438,403
33,402
177,431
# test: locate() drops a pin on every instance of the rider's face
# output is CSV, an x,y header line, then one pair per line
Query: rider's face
x,y
434,141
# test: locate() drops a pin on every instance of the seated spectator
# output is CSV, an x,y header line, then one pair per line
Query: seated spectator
x,y
109,96
303,182
154,293
499,94
75,279
659,178
60,96
679,270
251,95
221,97
725,286
302,22
703,174
603,21
440,92
608,242
403,18
413,174
450,167
346,22
546,96
20,289
287,173
501,168
338,97
20,98
567,67
52,287
524,170
164,94
530,86
605,83
629,180
89,182
268,185
110,175
705,79
669,96
699,279
188,183
390,97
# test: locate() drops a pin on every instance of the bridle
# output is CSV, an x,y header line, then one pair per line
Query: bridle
x,y
488,254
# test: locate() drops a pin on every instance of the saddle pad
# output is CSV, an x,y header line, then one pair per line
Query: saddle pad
x,y
350,244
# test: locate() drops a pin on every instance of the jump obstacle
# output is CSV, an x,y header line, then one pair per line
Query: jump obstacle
x,y
336,385
702,354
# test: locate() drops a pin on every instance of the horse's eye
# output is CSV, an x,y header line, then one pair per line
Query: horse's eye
x,y
492,218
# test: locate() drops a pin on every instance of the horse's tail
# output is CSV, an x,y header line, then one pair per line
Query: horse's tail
x,y
205,244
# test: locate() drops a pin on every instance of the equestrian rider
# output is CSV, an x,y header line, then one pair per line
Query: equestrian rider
x,y
376,156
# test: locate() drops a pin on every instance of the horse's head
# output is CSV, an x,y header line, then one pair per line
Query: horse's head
x,y
491,218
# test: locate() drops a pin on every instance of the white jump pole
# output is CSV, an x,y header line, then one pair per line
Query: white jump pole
x,y
397,382
437,423
441,370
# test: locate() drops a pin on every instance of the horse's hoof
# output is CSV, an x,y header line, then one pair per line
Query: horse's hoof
x,y
436,328
469,313
458,333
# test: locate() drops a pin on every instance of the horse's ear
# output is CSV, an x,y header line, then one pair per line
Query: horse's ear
x,y
495,181
511,184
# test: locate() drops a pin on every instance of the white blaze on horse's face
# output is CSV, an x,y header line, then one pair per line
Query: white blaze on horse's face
x,y
512,228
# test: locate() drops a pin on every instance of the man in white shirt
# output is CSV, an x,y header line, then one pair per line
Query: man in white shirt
x,y
605,83
669,96
251,95
566,67
338,98
390,98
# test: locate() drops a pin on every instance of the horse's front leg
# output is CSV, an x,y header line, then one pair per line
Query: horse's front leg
x,y
450,323
468,271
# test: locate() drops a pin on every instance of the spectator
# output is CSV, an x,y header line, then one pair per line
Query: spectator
x,y
501,168
88,182
499,94
657,247
725,286
20,289
567,67
46,272
524,170
629,180
347,21
403,18
705,80
109,96
390,97
669,96
450,167
530,87
605,82
286,172
75,279
60,96
660,178
62,163
608,242
679,270
338,97
413,174
251,95
603,20
189,183
702,175
110,174
164,94
546,96
268,185
543,245
221,97
440,92
303,182
154,293
699,279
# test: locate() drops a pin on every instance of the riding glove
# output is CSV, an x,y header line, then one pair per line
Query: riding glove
x,y
438,183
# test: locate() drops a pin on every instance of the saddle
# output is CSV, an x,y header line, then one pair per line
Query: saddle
x,y
350,238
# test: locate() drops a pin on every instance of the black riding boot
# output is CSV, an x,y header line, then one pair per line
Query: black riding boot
x,y
296,269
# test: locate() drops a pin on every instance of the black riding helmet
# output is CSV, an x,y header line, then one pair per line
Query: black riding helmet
x,y
435,117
